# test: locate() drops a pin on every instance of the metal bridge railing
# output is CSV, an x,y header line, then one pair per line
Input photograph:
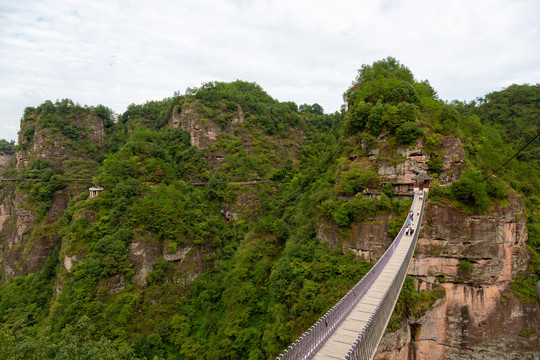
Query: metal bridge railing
x,y
314,338
368,340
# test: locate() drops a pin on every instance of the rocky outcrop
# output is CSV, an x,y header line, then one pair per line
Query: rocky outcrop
x,y
14,221
23,246
246,204
59,203
407,162
368,239
69,261
413,161
190,267
493,243
178,255
111,285
473,258
453,159
186,263
95,129
143,254
5,160
203,132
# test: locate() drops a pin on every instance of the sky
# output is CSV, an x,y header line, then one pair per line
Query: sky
x,y
119,52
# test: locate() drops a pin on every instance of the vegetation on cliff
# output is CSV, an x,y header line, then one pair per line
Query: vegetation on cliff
x,y
499,126
159,268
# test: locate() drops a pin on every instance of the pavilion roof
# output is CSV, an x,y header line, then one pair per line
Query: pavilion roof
x,y
421,176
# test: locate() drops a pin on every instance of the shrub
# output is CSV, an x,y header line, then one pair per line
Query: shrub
x,y
342,214
471,191
159,267
465,269
6,147
523,287
375,119
408,132
358,116
435,164
356,180
217,186
70,131
388,189
29,132
407,111
496,190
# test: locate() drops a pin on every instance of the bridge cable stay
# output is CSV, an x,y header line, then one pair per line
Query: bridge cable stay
x,y
372,299
513,156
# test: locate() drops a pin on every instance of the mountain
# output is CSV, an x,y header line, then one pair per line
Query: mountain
x,y
226,222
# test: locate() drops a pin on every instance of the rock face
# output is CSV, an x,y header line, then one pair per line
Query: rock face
x,y
143,254
50,144
5,160
479,318
413,161
369,239
452,157
23,246
203,132
95,129
408,162
245,205
493,243
474,258
14,222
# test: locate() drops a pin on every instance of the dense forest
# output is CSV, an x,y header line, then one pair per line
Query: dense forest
x,y
253,282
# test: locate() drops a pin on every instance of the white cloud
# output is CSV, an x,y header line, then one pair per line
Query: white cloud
x,y
122,52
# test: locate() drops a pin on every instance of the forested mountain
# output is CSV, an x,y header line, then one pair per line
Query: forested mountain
x,y
229,222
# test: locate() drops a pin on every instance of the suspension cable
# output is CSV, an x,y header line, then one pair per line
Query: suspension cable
x,y
507,161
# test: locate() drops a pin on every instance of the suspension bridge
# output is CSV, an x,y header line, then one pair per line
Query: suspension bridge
x,y
354,327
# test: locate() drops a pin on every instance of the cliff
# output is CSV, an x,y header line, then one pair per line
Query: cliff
x,y
5,160
203,131
474,258
54,161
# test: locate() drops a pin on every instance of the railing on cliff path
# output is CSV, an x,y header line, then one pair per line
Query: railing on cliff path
x,y
366,344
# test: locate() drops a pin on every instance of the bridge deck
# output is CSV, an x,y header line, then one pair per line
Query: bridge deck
x,y
337,346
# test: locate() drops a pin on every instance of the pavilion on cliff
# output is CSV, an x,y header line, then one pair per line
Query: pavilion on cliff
x,y
94,191
421,181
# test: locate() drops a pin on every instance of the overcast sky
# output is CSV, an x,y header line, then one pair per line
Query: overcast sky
x,y
118,52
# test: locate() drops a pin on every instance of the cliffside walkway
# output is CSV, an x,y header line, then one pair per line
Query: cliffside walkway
x,y
353,328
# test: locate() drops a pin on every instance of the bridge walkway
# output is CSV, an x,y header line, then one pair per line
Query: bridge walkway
x,y
337,345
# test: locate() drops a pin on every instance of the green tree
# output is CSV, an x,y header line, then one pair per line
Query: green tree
x,y
375,119
386,80
408,132
471,190
435,164
359,114
6,147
